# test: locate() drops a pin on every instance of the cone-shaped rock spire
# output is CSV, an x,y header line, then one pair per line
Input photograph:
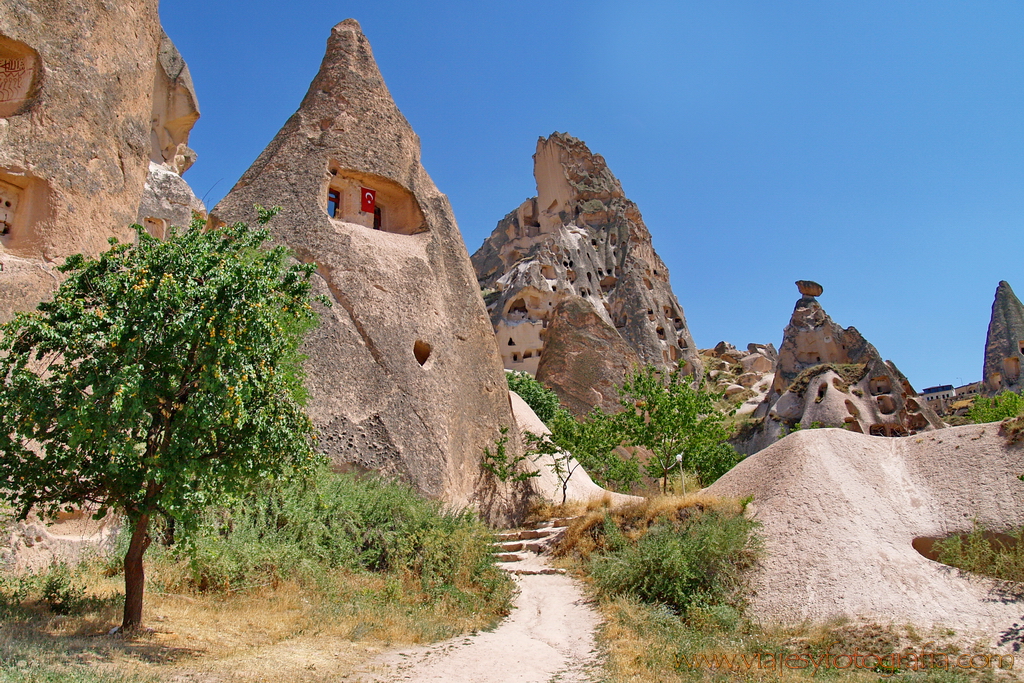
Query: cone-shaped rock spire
x,y
1004,346
403,373
580,237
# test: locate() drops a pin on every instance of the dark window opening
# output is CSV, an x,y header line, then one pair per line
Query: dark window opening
x,y
510,342
333,202
377,218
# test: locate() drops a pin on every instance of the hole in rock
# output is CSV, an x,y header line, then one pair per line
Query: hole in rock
x,y
421,350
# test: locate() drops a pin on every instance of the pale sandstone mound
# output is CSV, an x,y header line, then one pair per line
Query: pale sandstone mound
x,y
1004,346
827,375
840,512
403,373
77,101
580,237
586,359
548,485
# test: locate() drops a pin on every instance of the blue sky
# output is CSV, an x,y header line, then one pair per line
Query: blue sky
x,y
875,147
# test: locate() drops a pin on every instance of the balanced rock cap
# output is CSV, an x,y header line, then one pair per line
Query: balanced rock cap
x,y
809,288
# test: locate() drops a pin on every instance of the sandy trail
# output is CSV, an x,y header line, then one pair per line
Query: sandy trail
x,y
548,637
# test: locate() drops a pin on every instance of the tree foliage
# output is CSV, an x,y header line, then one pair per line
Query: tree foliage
x,y
668,416
541,400
1005,405
590,443
163,377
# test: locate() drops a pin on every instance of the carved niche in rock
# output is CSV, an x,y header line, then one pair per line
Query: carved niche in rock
x,y
19,76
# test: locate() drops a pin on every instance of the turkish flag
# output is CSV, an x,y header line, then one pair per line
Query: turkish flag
x,y
369,201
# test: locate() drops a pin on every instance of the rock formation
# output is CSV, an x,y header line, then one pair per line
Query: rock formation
x,y
403,373
76,106
585,359
1004,346
743,378
168,200
826,375
579,238
845,519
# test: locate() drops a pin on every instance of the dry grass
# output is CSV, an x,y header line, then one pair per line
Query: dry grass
x,y
585,535
646,645
288,633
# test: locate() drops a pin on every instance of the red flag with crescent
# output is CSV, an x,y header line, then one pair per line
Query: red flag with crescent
x,y
369,202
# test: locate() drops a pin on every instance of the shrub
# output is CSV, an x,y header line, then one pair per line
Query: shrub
x,y
542,400
307,528
1005,405
695,564
983,552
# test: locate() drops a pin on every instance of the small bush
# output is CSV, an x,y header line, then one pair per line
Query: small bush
x,y
542,400
983,552
695,564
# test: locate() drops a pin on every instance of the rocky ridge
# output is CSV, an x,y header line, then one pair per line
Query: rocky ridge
x,y
579,239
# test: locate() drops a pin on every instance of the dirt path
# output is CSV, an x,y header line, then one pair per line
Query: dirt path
x,y
549,637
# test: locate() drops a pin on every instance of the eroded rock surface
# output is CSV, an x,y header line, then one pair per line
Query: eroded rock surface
x,y
76,109
579,238
405,360
167,199
830,376
1004,346
586,359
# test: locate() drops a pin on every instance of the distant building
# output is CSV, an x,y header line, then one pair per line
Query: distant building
x,y
969,390
938,397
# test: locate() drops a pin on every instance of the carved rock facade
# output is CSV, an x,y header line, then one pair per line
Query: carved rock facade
x,y
403,373
579,238
78,86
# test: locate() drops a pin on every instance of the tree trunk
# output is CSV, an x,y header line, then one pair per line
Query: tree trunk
x,y
135,575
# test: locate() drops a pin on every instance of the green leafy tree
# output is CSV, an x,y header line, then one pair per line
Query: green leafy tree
x,y
590,443
541,400
668,416
162,378
998,408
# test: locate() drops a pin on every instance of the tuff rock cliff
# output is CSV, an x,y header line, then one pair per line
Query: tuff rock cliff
x,y
1004,345
80,96
403,373
580,240
830,376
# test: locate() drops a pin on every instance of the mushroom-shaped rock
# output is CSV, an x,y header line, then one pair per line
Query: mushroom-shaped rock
x,y
809,288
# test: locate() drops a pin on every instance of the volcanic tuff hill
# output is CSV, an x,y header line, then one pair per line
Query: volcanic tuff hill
x,y
829,376
403,375
1004,345
579,240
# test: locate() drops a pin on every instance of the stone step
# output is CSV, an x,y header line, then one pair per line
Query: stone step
x,y
510,546
558,521
509,557
512,569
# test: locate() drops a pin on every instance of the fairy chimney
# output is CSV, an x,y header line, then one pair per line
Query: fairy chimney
x,y
1004,345
830,376
403,374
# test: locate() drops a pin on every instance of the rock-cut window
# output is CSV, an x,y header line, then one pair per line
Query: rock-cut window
x,y
333,202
